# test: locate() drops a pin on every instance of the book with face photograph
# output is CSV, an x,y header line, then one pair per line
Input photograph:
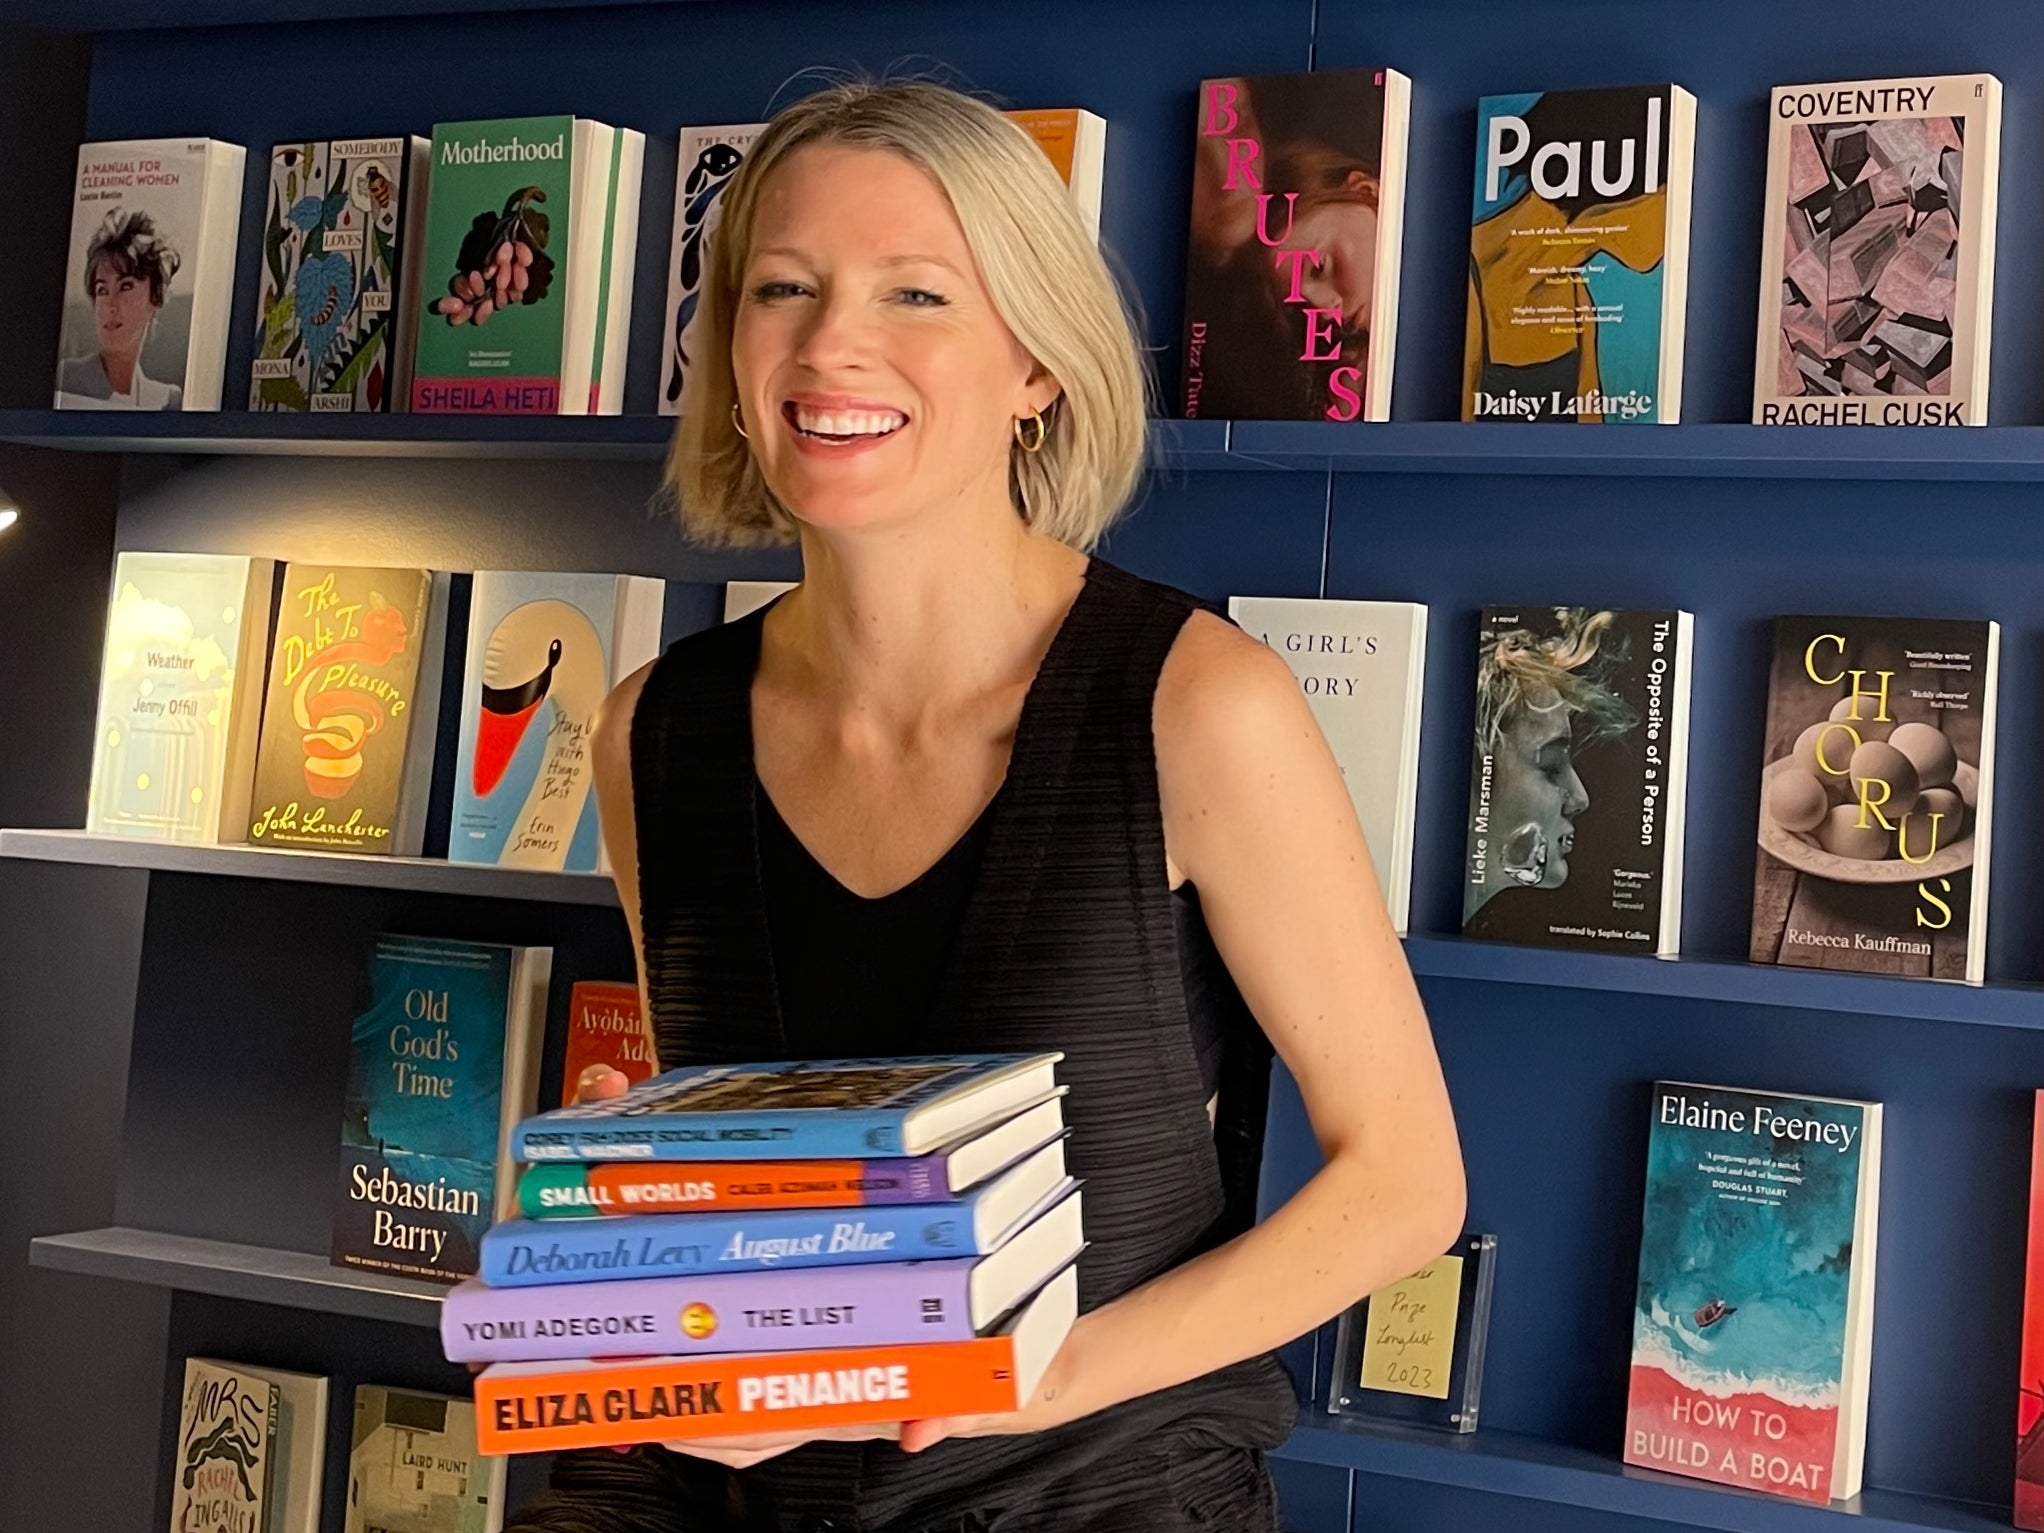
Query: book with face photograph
x,y
1577,778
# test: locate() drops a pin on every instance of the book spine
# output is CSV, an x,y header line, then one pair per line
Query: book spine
x,y
836,1135
574,1190
671,1398
522,1253
885,1304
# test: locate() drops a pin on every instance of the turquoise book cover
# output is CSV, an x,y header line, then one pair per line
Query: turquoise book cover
x,y
418,1177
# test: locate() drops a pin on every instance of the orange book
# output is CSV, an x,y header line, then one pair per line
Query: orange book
x,y
605,1027
550,1407
1075,142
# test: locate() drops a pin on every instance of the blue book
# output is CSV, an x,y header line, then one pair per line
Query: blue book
x,y
819,1109
443,1061
528,1253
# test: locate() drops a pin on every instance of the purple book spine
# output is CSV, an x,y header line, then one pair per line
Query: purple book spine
x,y
923,1179
883,1304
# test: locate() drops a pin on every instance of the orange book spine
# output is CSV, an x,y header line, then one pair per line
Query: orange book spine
x,y
537,1408
605,1027
673,1187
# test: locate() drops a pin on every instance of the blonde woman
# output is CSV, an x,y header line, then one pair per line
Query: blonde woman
x,y
967,788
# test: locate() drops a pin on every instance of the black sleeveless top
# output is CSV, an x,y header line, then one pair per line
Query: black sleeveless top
x,y
1069,940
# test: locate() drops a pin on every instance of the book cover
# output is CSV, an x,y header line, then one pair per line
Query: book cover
x,y
543,651
785,1309
355,661
499,233
147,285
542,1407
1877,796
226,1450
439,1063
822,1109
1877,259
2029,1511
1577,779
1753,1325
332,258
1291,285
413,1466
180,688
1579,256
1074,140
605,1027
1361,665
708,159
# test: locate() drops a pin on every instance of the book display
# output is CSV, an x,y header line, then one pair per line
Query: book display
x,y
1796,814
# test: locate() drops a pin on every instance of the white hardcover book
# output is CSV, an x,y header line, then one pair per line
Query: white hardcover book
x,y
1877,260
707,160
151,275
1362,665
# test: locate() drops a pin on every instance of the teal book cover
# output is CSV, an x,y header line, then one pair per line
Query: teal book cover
x,y
418,1176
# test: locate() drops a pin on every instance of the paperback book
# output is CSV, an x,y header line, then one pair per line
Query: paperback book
x,y
1578,778
151,275
338,218
547,1407
180,694
226,1450
2029,1512
413,1466
609,1189
786,1309
836,1109
1361,665
1753,1327
543,651
1579,256
1075,142
441,1064
708,159
1877,259
1877,796
606,1026
524,1253
345,762
1298,215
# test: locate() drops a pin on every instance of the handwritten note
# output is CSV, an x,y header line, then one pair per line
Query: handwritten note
x,y
1409,1347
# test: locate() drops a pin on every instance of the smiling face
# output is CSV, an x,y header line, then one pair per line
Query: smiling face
x,y
876,381
1536,794
121,309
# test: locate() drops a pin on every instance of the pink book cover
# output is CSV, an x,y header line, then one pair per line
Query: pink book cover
x,y
2030,1401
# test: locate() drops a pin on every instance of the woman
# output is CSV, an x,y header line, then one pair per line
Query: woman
x,y
1540,697
128,269
957,790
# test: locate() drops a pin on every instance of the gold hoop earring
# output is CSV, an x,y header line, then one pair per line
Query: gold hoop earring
x,y
738,422
1033,442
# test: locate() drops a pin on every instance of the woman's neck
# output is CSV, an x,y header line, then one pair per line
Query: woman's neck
x,y
120,369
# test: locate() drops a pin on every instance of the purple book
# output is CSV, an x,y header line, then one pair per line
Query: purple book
x,y
881,1304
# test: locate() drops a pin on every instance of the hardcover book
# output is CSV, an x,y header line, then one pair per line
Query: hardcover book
x,y
1361,665
1877,796
605,1189
1298,215
1579,256
1577,779
413,1466
531,236
2029,1511
544,1407
1753,1327
180,688
869,1305
355,663
812,1109
151,275
543,650
524,1253
708,159
339,216
441,1064
226,1450
1877,260
605,1027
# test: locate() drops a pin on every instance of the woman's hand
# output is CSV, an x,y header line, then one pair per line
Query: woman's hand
x,y
599,1083
1060,1397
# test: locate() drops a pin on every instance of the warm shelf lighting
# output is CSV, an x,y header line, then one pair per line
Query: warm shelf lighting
x,y
10,511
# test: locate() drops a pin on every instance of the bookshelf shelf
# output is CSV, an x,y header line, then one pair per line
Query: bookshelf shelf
x,y
1505,1463
229,1270
425,875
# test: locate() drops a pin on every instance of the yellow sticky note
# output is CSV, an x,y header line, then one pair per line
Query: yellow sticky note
x,y
1409,1347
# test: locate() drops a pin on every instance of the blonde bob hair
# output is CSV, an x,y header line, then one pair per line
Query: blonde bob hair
x,y
1041,268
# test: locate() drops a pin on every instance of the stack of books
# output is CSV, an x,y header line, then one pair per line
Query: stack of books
x,y
756,1248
